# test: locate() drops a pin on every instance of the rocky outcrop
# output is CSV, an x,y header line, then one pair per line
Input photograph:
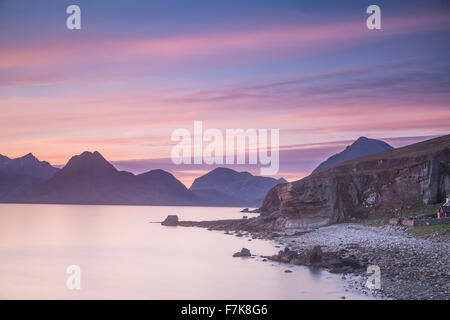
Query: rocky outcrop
x,y
315,255
333,261
243,253
384,183
247,210
171,220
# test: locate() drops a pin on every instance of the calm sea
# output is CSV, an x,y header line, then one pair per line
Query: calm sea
x,y
123,256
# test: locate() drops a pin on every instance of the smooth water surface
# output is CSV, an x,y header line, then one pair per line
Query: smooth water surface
x,y
124,256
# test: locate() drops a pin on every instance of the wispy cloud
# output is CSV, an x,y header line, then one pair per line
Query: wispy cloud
x,y
75,60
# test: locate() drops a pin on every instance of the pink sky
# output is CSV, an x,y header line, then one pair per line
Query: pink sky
x,y
318,82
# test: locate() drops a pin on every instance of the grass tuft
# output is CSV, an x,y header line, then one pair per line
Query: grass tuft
x,y
425,231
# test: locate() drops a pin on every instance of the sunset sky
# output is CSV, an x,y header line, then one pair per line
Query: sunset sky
x,y
138,70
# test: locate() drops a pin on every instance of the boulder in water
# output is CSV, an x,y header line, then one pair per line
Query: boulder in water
x,y
243,253
315,255
171,220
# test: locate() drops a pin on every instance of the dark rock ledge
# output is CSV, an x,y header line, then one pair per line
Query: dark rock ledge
x,y
334,262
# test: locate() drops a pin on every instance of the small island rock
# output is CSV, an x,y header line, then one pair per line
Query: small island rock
x,y
243,253
171,220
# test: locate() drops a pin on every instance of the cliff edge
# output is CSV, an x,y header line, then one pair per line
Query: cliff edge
x,y
381,184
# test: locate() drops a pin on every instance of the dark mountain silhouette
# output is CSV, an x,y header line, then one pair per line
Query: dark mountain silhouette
x,y
3,159
360,148
90,179
19,175
27,165
223,186
13,185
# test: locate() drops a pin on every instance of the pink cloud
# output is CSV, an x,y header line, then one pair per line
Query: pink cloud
x,y
119,120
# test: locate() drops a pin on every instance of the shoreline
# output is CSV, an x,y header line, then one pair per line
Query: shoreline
x,y
411,268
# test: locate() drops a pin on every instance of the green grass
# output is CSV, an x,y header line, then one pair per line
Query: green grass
x,y
424,231
382,218
419,208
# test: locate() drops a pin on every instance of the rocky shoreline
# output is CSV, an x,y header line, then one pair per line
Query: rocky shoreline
x,y
411,268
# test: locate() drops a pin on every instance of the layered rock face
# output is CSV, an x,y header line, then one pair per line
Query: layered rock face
x,y
384,183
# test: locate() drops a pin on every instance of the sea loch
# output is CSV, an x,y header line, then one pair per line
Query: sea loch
x,y
123,256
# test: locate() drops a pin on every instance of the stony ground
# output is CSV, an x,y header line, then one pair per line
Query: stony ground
x,y
411,268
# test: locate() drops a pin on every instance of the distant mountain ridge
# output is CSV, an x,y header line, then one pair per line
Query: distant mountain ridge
x,y
27,165
90,179
225,186
361,147
3,158
19,175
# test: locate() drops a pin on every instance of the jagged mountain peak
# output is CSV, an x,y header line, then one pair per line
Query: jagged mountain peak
x,y
89,178
27,165
29,156
90,155
87,162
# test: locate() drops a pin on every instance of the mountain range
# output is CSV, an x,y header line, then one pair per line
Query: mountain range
x,y
89,178
224,186
27,165
19,175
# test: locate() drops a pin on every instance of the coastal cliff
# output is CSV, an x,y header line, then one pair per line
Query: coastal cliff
x,y
381,184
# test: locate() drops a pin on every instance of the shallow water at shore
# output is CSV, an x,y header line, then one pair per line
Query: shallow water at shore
x,y
123,256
